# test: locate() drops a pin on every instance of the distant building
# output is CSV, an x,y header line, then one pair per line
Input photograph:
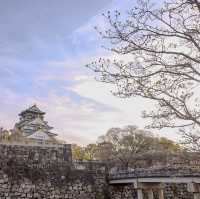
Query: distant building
x,y
33,126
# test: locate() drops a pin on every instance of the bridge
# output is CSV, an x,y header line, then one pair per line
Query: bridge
x,y
149,180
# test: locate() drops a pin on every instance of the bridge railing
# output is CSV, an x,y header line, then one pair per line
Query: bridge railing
x,y
155,172
122,174
91,165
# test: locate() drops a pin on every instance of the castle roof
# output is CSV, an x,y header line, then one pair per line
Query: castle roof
x,y
37,121
40,134
32,109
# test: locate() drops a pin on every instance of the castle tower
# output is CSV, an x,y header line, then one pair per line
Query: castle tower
x,y
33,126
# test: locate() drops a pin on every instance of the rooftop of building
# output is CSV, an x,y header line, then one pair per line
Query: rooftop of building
x,y
32,109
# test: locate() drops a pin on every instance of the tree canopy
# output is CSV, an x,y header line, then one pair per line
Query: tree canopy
x,y
124,147
162,44
128,144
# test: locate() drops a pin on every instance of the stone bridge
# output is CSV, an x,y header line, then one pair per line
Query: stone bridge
x,y
154,180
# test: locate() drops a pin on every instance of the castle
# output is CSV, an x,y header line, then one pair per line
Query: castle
x,y
33,126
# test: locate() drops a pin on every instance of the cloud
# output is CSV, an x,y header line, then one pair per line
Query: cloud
x,y
128,110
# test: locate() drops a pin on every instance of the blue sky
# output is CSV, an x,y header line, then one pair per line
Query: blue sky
x,y
44,46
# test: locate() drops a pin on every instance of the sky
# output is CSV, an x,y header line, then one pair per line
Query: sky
x,y
44,47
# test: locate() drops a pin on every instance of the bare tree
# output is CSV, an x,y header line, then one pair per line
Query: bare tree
x,y
163,44
126,145
191,140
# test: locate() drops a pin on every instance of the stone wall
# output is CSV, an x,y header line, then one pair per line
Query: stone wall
x,y
47,172
171,191
36,154
78,188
